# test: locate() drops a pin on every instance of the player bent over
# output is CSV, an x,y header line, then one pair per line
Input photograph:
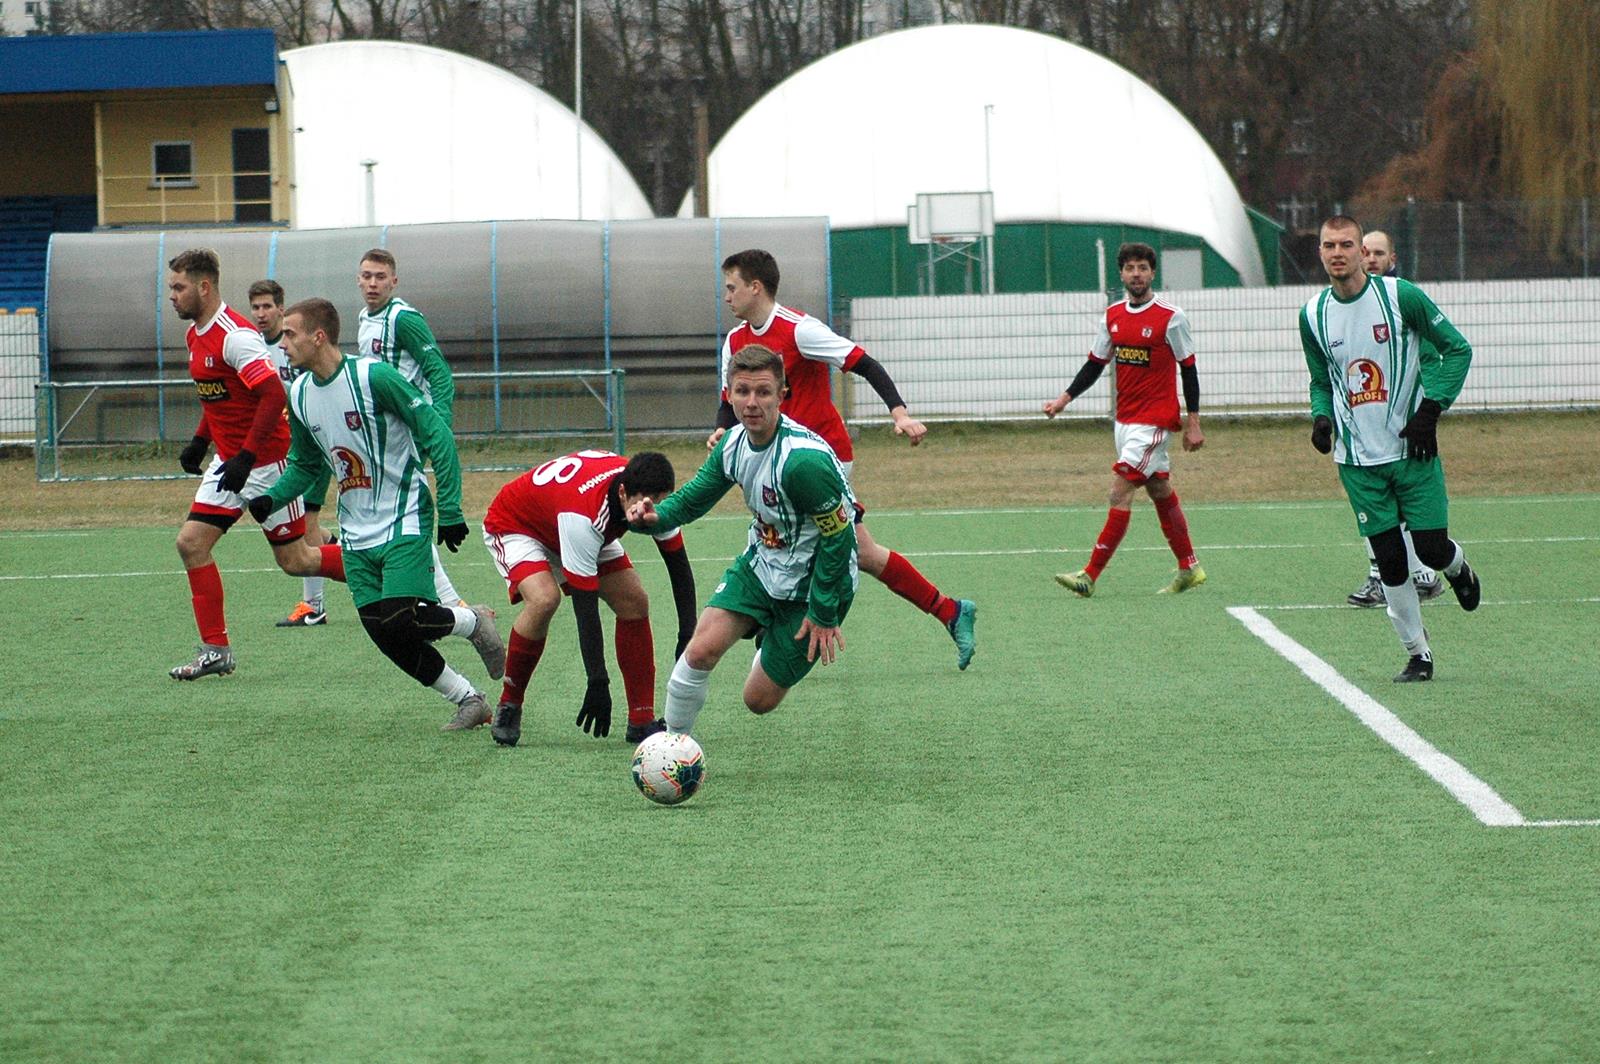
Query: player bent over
x,y
266,307
794,584
241,412
1148,337
557,528
1363,338
362,420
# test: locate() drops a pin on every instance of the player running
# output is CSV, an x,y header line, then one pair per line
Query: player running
x,y
393,331
1148,337
1377,391
266,307
809,350
557,528
241,413
793,585
358,418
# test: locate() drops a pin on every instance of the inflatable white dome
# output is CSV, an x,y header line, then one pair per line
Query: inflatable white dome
x,y
1073,137
455,140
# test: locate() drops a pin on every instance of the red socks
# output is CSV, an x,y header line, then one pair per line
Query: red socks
x,y
636,658
1176,528
901,577
205,587
332,562
522,654
1110,536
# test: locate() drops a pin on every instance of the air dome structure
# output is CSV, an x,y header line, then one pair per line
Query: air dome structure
x,y
452,139
1059,133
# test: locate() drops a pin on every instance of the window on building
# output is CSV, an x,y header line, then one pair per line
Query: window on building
x,y
30,7
172,164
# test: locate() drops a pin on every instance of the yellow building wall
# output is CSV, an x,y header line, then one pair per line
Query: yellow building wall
x,y
55,148
130,127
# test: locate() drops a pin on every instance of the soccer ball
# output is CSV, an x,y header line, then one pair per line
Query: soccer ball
x,y
669,768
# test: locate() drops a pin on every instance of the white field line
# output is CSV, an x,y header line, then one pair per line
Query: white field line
x,y
1464,787
1486,602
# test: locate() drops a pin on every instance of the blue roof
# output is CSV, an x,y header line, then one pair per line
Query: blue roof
x,y
108,62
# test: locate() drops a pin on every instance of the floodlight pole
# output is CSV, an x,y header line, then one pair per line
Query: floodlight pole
x,y
372,210
988,186
577,94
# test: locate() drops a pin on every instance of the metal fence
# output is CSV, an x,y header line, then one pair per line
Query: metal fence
x,y
19,369
1536,344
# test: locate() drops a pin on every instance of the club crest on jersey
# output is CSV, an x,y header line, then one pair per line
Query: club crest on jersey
x,y
352,420
769,535
1364,382
1380,333
352,470
769,495
1147,332
377,346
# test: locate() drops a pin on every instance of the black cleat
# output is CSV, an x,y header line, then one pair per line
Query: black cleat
x,y
1418,670
507,728
1466,586
638,733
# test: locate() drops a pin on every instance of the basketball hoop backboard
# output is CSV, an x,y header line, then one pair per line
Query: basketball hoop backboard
x,y
955,216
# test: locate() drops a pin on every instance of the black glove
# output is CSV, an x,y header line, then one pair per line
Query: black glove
x,y
452,536
236,470
260,508
191,457
595,716
1422,431
684,635
1322,434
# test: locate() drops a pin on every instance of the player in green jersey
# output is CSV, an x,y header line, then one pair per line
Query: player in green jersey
x,y
393,331
1384,364
266,309
1378,259
360,419
793,585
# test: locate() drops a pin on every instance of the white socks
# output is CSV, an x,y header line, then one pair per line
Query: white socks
x,y
1405,613
686,695
443,590
466,620
311,591
1460,559
452,685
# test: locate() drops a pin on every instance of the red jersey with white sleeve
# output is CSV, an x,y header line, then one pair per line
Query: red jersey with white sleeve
x,y
565,504
1148,342
809,349
228,360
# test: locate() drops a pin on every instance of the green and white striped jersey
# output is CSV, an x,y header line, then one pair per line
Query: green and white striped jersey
x,y
373,430
1369,368
398,334
802,544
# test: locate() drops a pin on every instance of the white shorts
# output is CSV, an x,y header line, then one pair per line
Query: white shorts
x,y
212,500
1142,453
517,557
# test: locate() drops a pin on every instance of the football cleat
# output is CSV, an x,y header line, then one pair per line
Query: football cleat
x,y
638,733
1466,586
1370,594
1428,589
487,642
209,660
507,724
1080,582
304,615
963,629
1418,670
473,712
1186,579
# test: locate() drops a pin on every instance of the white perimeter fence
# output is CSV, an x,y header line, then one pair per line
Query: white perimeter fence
x,y
1535,344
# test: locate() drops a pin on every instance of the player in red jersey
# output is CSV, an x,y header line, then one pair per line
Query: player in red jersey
x,y
242,414
1149,338
556,528
810,350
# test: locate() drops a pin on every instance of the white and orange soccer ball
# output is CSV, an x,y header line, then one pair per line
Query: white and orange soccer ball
x,y
669,768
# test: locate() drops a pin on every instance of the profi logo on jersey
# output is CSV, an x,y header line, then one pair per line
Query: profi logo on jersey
x,y
352,470
211,391
1132,356
1364,382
